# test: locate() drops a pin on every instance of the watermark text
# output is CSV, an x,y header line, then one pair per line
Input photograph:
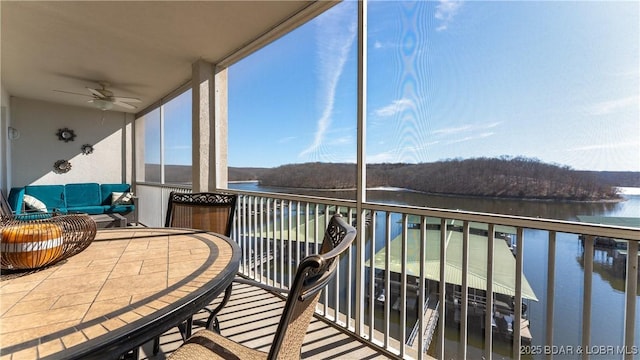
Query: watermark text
x,y
578,350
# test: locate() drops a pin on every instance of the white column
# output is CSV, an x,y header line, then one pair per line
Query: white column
x,y
209,127
221,121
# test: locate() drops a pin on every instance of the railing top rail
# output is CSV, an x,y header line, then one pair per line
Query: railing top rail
x,y
574,227
295,197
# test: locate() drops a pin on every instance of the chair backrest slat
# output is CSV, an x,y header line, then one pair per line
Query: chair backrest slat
x,y
5,209
312,275
204,211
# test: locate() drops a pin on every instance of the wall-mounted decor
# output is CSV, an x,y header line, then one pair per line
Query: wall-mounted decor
x,y
61,166
66,135
13,133
87,149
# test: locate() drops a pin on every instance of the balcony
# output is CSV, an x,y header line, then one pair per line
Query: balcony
x,y
276,230
416,271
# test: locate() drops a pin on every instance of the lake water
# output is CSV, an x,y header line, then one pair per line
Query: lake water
x,y
608,314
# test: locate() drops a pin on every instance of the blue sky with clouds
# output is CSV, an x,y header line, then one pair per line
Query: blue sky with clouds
x,y
553,80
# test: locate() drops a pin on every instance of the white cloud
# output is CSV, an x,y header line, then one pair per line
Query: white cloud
x,y
334,45
611,106
395,107
465,128
343,140
453,130
446,11
472,137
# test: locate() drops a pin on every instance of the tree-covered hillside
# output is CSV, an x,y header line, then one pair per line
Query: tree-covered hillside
x,y
495,177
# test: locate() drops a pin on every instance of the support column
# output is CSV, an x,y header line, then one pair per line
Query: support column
x,y
209,127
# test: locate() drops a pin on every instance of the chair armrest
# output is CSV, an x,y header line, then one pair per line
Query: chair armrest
x,y
242,280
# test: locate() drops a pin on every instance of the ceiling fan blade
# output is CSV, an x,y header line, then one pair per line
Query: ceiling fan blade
x,y
73,93
127,99
124,105
96,92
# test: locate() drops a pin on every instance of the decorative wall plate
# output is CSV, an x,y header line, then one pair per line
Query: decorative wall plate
x,y
66,135
61,166
87,149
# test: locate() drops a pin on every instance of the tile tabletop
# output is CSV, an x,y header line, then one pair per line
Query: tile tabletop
x,y
129,283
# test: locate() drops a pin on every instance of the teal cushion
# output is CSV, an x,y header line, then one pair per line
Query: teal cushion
x,y
83,194
91,210
107,189
16,196
119,208
51,195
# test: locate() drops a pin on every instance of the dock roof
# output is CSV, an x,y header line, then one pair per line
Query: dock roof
x,y
504,262
504,278
632,222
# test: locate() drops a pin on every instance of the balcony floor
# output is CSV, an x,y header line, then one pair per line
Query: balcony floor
x,y
251,318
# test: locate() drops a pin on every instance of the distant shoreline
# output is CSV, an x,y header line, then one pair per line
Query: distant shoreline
x,y
623,190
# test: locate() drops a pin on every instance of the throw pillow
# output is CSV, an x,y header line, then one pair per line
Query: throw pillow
x,y
121,198
32,203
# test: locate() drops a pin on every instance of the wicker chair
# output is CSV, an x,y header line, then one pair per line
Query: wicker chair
x,y
207,211
312,275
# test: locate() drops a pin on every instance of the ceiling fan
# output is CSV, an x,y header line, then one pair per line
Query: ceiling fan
x,y
104,99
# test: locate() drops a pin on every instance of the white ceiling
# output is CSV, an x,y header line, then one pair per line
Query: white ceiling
x,y
144,49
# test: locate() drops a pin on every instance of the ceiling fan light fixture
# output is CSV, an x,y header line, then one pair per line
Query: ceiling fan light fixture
x,y
103,104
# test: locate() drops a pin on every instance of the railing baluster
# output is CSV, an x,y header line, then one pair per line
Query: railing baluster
x,y
488,313
348,285
551,281
631,289
254,237
421,287
586,301
261,239
372,274
441,308
246,235
297,235
464,306
336,295
268,238
517,312
277,235
403,287
387,278
349,292
290,240
281,252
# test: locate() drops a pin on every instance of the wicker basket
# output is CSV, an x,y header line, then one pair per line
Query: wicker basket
x,y
31,241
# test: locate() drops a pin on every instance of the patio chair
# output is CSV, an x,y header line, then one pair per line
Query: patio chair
x,y
313,274
209,211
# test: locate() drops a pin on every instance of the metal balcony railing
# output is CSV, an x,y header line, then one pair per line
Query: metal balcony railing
x,y
414,267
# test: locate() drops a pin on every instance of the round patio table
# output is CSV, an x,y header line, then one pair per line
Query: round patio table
x,y
129,286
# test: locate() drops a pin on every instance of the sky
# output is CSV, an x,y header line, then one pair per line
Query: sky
x,y
558,81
